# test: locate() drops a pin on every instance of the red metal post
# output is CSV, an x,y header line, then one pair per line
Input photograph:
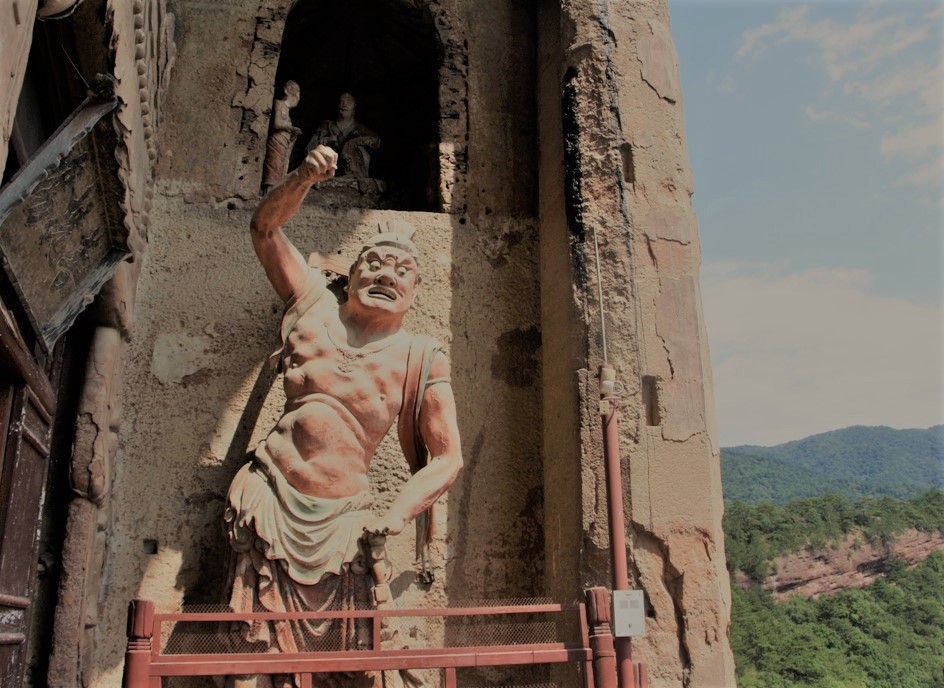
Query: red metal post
x,y
140,637
587,666
601,638
617,521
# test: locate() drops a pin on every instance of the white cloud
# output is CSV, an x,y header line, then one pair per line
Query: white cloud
x,y
752,40
832,116
841,48
725,85
929,175
799,353
917,80
915,141
872,66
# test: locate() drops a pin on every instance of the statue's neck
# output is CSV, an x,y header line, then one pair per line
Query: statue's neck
x,y
363,329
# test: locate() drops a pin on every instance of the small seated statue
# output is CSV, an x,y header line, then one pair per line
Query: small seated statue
x,y
350,138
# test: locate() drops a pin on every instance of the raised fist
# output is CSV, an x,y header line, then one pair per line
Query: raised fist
x,y
320,164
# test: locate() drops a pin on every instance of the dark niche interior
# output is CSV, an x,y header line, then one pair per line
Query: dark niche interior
x,y
385,53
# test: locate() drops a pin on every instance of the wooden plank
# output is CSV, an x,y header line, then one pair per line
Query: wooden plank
x,y
21,498
16,359
15,601
20,528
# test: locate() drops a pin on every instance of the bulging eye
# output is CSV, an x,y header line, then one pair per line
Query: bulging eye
x,y
402,272
373,265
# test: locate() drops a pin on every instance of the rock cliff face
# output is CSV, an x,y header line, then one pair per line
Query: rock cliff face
x,y
852,564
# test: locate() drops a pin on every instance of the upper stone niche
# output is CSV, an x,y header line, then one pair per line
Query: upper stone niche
x,y
385,53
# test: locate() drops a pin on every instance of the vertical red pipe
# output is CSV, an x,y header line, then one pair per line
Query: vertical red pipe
x,y
617,522
138,655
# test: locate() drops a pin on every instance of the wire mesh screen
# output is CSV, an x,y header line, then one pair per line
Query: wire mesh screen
x,y
484,628
467,678
465,624
430,678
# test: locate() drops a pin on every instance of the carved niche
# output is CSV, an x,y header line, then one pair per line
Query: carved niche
x,y
386,54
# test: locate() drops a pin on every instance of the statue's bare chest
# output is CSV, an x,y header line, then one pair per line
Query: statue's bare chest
x,y
367,380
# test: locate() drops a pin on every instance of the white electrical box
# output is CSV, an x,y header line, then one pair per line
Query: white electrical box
x,y
629,613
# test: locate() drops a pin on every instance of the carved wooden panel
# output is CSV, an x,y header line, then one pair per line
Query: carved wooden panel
x,y
62,233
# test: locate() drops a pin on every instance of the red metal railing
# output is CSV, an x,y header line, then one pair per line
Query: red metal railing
x,y
147,661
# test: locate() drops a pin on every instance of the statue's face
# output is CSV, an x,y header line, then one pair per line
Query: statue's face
x,y
384,280
346,105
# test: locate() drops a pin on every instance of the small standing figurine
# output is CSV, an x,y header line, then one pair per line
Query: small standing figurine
x,y
282,139
350,138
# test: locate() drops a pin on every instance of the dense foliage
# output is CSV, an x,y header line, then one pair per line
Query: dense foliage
x,y
756,535
872,483
853,462
889,635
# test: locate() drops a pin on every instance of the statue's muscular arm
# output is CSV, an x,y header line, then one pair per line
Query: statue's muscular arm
x,y
284,264
440,432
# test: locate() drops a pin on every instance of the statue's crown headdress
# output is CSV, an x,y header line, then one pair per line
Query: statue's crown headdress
x,y
395,233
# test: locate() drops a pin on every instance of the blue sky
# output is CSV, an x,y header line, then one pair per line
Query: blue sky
x,y
816,137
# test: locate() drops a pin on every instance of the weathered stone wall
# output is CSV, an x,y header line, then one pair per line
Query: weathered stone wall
x,y
197,395
619,183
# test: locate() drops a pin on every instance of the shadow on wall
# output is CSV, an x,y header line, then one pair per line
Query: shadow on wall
x,y
210,587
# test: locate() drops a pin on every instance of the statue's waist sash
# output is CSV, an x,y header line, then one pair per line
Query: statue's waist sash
x,y
313,536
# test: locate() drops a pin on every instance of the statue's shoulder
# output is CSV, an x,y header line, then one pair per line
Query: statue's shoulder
x,y
419,342
309,303
422,351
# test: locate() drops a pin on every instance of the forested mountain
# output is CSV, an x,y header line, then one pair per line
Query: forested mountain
x,y
855,462
887,635
846,493
756,535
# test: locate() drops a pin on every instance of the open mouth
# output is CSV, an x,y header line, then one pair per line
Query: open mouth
x,y
383,293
